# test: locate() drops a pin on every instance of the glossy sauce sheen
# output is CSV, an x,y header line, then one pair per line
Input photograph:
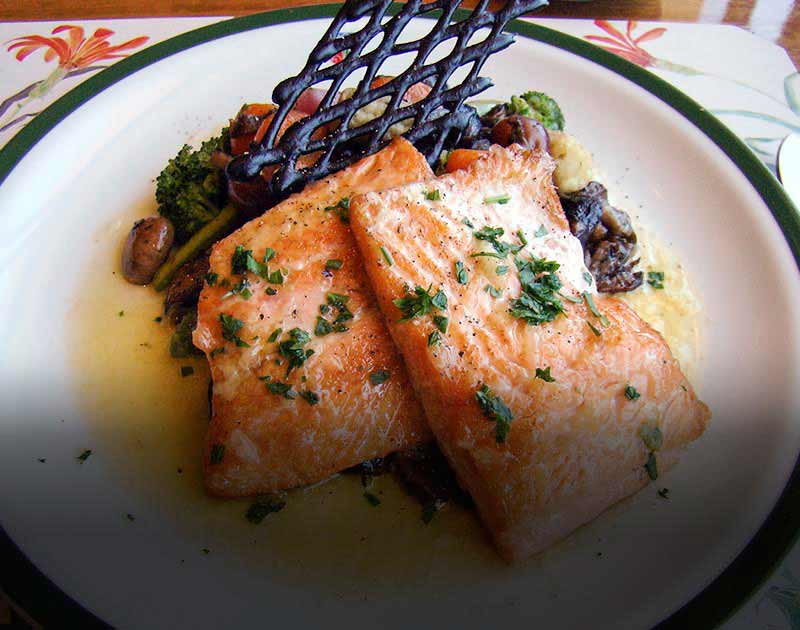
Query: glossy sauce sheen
x,y
574,447
270,442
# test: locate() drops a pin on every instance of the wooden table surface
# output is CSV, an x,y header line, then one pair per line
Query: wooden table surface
x,y
776,20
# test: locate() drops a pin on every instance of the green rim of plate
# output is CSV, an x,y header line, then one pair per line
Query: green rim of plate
x,y
728,591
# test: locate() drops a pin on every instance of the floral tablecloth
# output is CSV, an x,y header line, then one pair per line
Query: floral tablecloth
x,y
747,82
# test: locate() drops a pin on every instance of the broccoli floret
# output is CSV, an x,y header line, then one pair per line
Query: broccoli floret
x,y
539,106
190,191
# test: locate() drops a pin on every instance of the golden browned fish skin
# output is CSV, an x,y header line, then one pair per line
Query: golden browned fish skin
x,y
259,441
574,446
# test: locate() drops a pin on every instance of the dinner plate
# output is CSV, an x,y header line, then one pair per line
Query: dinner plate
x,y
125,535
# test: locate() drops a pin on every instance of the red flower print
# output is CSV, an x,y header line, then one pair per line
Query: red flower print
x,y
75,51
626,45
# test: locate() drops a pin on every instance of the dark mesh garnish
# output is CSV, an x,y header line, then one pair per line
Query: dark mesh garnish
x,y
440,118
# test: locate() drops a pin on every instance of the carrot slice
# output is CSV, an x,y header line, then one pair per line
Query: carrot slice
x,y
462,158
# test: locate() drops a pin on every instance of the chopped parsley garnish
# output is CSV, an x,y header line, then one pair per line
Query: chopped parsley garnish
x,y
501,270
341,209
461,274
312,398
571,298
274,336
590,303
468,223
433,195
501,199
239,259
278,388
324,309
217,351
421,303
440,321
434,338
386,256
492,236
631,393
655,279
651,436
544,374
262,508
323,327
333,263
495,410
521,237
85,455
270,291
372,499
588,277
230,327
538,303
293,348
240,288
211,278
651,466
493,291
379,376
594,329
339,302
542,231
186,370
664,493
217,453
275,277
337,299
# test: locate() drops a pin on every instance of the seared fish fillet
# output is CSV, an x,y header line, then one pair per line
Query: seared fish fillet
x,y
576,444
341,408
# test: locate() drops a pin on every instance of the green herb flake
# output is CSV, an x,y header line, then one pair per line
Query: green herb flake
x,y
211,278
379,376
499,199
594,329
240,288
590,303
655,279
462,277
217,453
501,270
651,436
230,327
421,303
521,237
664,493
333,264
434,338
544,374
372,499
263,507
433,195
274,336
493,291
542,231
496,411
539,301
341,209
322,327
588,278
492,236
386,256
85,455
275,277
270,291
121,313
440,321
324,309
312,398
468,223
239,259
631,393
186,370
293,348
278,388
651,466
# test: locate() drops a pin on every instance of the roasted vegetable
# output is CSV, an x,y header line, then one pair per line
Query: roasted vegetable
x,y
211,232
540,106
190,190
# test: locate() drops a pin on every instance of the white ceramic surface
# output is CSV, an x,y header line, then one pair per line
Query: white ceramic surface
x,y
89,176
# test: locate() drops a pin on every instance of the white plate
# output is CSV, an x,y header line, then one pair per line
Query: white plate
x,y
329,557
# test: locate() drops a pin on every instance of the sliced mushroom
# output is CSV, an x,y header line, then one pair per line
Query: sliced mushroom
x,y
146,248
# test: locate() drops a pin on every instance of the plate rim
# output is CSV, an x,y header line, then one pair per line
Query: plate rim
x,y
727,592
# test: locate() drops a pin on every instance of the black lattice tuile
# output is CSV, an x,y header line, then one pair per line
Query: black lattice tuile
x,y
439,119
